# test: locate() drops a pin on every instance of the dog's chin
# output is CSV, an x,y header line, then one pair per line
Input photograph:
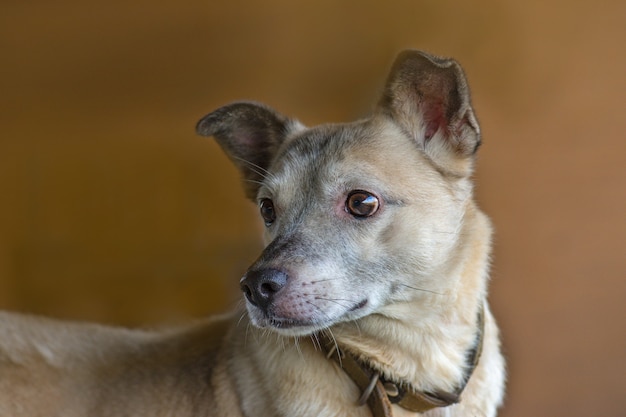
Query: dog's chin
x,y
303,327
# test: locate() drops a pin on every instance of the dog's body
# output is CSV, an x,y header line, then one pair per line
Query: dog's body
x,y
375,246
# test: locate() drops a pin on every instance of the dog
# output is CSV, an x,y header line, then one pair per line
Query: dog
x,y
369,299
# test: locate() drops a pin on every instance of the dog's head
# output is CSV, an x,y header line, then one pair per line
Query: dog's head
x,y
359,217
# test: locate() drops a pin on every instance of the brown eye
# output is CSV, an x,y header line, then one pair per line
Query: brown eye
x,y
362,204
266,207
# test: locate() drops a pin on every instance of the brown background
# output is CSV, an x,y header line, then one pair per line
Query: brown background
x,y
112,210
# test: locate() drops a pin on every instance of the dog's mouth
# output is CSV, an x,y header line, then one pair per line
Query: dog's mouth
x,y
359,305
308,325
280,323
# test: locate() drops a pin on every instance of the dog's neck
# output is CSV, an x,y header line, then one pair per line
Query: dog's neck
x,y
380,392
425,343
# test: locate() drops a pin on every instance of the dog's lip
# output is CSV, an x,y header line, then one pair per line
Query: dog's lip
x,y
286,323
359,305
281,323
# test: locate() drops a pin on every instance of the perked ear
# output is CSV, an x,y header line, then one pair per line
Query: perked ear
x,y
429,99
250,134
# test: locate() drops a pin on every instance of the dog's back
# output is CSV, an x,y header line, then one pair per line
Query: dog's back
x,y
53,368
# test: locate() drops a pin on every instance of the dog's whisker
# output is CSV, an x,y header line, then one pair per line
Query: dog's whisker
x,y
254,181
245,339
241,317
326,330
317,308
320,310
330,333
331,336
299,349
323,280
420,289
337,301
316,341
264,173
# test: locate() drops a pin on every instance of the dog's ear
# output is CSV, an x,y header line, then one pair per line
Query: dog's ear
x,y
250,134
429,98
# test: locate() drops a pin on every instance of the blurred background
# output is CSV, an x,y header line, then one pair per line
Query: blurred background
x,y
111,209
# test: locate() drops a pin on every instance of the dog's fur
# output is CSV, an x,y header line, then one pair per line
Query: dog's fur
x,y
373,238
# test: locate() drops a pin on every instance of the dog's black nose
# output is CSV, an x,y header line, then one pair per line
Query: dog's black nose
x,y
260,286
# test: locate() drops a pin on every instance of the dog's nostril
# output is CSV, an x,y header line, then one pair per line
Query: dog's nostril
x,y
260,286
247,292
269,288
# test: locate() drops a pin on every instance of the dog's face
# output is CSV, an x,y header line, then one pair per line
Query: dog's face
x,y
359,217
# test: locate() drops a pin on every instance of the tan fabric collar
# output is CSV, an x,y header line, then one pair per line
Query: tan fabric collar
x,y
380,394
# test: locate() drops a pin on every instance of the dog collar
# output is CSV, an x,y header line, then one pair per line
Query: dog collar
x,y
380,393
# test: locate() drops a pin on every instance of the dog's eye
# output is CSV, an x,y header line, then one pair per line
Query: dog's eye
x,y
362,204
266,207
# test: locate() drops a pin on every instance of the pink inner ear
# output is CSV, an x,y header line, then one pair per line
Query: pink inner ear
x,y
434,118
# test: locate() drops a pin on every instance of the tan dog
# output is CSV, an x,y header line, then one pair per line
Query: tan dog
x,y
369,299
